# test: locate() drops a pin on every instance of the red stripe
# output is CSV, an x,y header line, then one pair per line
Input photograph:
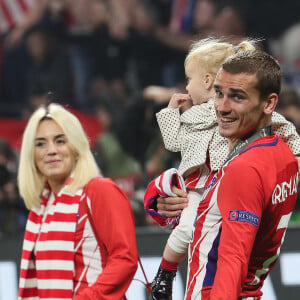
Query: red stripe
x,y
65,199
55,293
54,274
24,6
61,236
64,255
28,292
26,254
64,217
30,236
7,14
30,273
34,217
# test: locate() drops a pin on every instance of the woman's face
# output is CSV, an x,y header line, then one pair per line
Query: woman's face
x,y
53,155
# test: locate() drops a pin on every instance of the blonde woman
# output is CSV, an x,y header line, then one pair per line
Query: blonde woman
x,y
77,245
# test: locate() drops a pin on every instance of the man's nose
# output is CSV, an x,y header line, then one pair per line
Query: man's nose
x,y
223,104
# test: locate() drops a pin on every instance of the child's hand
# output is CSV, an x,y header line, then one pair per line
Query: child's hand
x,y
178,100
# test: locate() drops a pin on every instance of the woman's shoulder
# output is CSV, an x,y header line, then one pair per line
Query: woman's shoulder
x,y
100,181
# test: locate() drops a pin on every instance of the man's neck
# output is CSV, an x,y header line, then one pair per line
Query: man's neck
x,y
250,137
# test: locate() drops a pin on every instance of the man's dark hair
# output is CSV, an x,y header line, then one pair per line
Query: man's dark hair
x,y
266,68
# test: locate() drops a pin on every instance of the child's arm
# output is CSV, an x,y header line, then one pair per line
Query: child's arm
x,y
287,131
169,122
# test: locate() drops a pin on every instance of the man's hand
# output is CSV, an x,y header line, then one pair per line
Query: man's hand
x,y
172,206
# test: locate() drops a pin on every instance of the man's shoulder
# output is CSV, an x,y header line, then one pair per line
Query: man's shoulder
x,y
262,154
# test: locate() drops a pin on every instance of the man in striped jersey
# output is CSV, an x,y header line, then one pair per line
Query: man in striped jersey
x,y
241,223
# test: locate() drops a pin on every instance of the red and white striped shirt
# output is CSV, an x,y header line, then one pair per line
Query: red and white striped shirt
x,y
61,258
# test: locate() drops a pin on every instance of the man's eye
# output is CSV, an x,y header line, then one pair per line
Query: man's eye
x,y
237,97
219,94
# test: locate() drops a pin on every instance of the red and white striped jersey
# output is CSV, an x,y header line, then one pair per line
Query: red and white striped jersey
x,y
12,12
241,223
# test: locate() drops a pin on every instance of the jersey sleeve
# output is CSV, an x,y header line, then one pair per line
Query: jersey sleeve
x,y
287,131
241,205
168,120
114,224
150,206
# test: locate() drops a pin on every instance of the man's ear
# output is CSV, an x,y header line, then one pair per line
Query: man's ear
x,y
208,81
270,103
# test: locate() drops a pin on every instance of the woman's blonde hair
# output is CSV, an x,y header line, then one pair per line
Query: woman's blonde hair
x,y
211,53
30,181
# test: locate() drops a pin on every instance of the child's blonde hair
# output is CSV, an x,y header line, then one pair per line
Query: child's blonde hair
x,y
211,53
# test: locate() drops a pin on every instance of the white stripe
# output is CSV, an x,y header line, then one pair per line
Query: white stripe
x,y
30,3
66,208
24,263
55,245
30,283
66,265
4,26
60,284
157,183
28,245
15,10
32,227
166,183
62,226
284,221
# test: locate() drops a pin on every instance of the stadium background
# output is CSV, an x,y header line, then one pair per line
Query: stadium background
x,y
115,64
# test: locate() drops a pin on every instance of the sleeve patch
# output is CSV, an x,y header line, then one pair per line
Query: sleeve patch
x,y
244,216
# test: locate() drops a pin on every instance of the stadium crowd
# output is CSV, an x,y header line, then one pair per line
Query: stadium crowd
x,y
117,62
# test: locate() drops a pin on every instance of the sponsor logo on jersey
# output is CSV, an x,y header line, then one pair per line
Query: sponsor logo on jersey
x,y
243,216
285,189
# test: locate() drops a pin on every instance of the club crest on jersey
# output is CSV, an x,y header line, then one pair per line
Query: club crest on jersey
x,y
243,216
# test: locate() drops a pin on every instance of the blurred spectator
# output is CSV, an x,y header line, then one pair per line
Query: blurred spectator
x,y
12,210
113,161
289,105
50,66
148,55
109,56
202,25
178,35
230,23
18,17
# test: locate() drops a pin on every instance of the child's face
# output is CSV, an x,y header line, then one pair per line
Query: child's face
x,y
196,83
